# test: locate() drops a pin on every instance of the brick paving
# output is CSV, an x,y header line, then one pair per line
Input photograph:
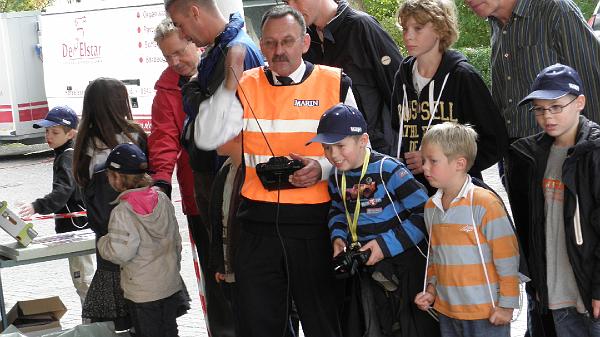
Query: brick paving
x,y
25,178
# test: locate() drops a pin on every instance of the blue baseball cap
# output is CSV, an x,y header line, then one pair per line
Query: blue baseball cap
x,y
554,82
59,115
127,158
339,122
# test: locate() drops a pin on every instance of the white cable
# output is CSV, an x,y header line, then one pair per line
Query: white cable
x,y
392,201
521,286
485,271
437,103
72,219
401,129
429,230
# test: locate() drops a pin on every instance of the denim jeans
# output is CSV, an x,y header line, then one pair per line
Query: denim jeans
x,y
451,327
569,323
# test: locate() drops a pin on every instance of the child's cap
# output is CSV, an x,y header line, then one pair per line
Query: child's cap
x,y
127,158
59,115
339,122
554,82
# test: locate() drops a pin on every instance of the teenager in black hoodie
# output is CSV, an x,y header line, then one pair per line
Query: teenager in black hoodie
x,y
435,85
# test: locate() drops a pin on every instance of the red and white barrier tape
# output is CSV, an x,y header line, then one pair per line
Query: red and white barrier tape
x,y
61,216
56,216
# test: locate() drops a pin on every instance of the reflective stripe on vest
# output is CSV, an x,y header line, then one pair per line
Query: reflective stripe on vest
x,y
289,116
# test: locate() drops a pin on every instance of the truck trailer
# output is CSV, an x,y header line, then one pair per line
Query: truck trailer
x,y
48,58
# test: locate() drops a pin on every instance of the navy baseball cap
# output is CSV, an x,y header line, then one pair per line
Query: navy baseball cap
x,y
554,82
127,158
59,115
339,122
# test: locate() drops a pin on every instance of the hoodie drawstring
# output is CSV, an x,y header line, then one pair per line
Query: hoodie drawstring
x,y
406,108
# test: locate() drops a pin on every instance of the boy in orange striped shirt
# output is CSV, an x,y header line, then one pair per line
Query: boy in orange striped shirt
x,y
472,276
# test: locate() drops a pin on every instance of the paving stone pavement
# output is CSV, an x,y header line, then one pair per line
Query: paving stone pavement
x,y
25,178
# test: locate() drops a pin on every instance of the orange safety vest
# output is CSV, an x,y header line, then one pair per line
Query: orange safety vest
x,y
289,117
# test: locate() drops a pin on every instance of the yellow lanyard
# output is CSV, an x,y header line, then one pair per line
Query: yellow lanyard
x,y
353,223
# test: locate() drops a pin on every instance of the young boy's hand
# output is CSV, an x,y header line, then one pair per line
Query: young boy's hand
x,y
414,162
501,316
26,210
339,246
596,308
219,277
425,299
376,253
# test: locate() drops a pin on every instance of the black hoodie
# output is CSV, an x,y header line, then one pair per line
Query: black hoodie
x,y
465,99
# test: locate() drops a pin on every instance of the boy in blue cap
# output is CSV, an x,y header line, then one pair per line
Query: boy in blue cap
x,y
554,191
375,219
61,127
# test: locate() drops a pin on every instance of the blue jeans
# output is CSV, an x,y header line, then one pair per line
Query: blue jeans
x,y
451,327
568,322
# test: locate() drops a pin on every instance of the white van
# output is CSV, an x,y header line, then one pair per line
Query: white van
x,y
83,40
22,96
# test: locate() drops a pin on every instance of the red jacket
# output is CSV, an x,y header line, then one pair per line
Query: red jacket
x,y
163,143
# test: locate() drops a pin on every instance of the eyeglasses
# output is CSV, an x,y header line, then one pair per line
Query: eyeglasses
x,y
178,53
288,42
553,109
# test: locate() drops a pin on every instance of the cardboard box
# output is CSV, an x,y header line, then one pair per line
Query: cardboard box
x,y
37,315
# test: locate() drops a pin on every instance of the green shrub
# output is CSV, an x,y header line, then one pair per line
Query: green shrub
x,y
474,31
474,39
479,57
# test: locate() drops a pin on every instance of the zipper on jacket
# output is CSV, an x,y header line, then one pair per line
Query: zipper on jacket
x,y
577,223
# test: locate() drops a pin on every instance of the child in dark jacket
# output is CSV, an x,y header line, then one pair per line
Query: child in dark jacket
x,y
554,191
225,228
61,127
436,85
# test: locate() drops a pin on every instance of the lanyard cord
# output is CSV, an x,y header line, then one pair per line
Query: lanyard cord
x,y
353,223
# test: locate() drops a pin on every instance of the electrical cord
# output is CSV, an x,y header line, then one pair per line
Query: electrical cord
x,y
286,264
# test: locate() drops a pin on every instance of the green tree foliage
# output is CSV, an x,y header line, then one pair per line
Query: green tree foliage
x,y
22,5
474,37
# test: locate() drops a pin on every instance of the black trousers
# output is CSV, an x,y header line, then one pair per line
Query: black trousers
x,y
156,318
266,285
219,321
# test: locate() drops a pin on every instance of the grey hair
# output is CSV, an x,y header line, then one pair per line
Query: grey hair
x,y
164,29
282,11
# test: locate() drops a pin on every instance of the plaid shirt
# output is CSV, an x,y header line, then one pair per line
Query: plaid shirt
x,y
541,33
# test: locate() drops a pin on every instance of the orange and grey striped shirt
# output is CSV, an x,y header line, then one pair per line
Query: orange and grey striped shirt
x,y
455,266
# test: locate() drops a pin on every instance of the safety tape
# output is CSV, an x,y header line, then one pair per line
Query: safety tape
x,y
56,216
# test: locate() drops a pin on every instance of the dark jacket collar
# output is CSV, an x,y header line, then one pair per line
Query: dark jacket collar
x,y
342,12
588,138
64,147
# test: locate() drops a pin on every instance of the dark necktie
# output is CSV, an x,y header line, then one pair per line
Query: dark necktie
x,y
284,80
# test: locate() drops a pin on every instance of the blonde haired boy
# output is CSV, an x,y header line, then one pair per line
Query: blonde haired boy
x,y
435,84
472,275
